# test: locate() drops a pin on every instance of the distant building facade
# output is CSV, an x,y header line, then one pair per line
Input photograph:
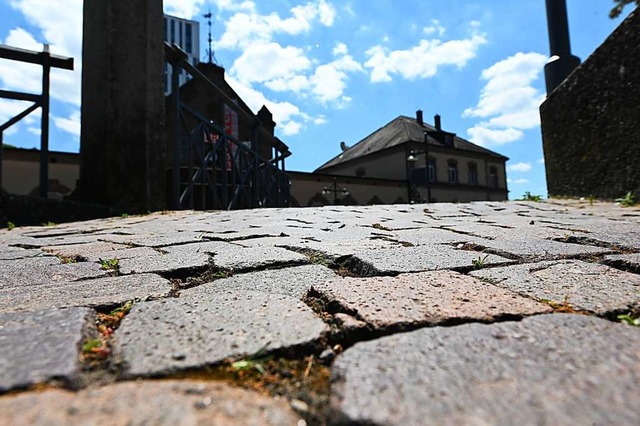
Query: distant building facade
x,y
456,171
186,34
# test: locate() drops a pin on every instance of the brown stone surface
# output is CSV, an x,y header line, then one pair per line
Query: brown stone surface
x,y
425,298
168,402
587,286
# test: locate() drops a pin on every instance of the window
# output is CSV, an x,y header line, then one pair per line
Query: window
x,y
166,36
172,24
188,38
432,169
180,37
473,174
493,177
453,171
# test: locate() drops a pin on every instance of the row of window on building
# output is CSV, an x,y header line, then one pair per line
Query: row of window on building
x,y
454,177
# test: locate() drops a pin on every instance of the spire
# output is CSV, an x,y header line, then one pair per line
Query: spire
x,y
212,56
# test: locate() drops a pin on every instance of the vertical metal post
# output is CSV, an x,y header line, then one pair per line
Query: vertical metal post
x,y
426,159
44,136
1,157
175,95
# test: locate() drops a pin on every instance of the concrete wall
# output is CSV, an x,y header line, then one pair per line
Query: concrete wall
x,y
591,123
307,190
20,172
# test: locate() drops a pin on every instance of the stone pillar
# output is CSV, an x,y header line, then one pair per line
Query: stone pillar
x,y
562,62
122,136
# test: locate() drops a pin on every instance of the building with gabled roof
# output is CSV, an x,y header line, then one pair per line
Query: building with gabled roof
x,y
457,171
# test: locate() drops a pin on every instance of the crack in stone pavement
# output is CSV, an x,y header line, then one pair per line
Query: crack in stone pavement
x,y
368,315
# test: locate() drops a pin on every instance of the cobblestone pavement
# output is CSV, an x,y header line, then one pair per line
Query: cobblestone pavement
x,y
479,313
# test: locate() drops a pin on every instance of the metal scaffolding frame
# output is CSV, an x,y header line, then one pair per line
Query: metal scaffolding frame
x,y
47,61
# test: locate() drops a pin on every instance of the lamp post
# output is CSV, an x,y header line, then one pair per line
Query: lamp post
x,y
411,164
335,190
426,165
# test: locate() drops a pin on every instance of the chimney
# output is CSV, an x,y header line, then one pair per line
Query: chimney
x,y
419,117
436,119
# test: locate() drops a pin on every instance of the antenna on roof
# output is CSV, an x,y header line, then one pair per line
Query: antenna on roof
x,y
212,56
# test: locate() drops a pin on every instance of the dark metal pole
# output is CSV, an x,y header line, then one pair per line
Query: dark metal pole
x,y
175,95
1,155
44,136
562,62
426,159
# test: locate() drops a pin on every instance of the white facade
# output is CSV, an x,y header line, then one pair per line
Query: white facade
x,y
186,34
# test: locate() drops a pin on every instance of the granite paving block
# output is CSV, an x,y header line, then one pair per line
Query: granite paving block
x,y
45,270
239,258
199,330
15,253
535,248
107,291
587,286
101,250
420,258
424,298
168,402
546,369
36,347
294,281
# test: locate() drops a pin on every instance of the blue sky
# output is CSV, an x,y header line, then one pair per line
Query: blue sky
x,y
333,71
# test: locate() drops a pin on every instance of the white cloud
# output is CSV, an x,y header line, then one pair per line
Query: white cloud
x,y
291,128
485,136
69,124
521,181
266,62
34,130
340,49
186,9
247,28
321,119
423,60
434,28
519,167
508,102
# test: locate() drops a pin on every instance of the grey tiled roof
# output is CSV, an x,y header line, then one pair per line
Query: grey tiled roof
x,y
399,131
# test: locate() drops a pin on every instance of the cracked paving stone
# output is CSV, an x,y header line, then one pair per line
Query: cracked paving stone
x,y
106,291
196,331
15,253
240,258
293,281
425,298
45,270
166,402
587,286
418,259
546,369
36,347
95,251
533,248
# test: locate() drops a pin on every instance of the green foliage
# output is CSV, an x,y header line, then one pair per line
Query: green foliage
x,y
620,5
628,200
122,310
528,197
124,215
91,345
480,262
252,362
10,226
109,264
630,320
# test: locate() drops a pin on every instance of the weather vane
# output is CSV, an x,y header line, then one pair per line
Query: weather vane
x,y
212,56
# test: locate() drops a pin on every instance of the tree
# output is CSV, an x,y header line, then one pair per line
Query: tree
x,y
620,4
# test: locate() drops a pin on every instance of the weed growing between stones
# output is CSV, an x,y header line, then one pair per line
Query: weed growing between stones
x,y
96,351
10,225
629,200
564,307
305,382
110,265
480,262
632,318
